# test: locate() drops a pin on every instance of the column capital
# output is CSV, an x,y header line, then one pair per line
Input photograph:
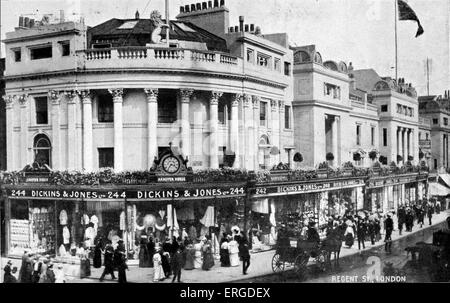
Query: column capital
x,y
273,105
117,94
85,96
237,98
247,100
186,94
9,100
54,96
71,95
23,100
215,95
152,94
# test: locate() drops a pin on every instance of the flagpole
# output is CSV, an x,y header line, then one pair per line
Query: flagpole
x,y
396,42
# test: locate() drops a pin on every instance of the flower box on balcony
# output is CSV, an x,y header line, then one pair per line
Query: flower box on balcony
x,y
376,171
322,173
347,172
278,176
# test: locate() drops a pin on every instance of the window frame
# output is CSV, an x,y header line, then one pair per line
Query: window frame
x,y
63,45
277,64
104,116
105,149
385,136
384,106
445,121
358,134
251,55
40,113
372,135
263,122
260,57
287,68
171,114
435,121
33,49
287,117
16,51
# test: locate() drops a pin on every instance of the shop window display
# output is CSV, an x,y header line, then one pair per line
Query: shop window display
x,y
42,227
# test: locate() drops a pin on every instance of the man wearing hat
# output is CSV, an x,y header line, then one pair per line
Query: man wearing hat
x,y
389,227
109,262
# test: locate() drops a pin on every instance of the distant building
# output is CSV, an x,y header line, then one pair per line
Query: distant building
x,y
437,110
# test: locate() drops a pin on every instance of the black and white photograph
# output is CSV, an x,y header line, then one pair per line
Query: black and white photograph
x,y
257,142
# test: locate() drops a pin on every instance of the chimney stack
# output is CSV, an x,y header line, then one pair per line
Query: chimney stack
x,y
231,29
136,15
27,22
241,23
61,16
181,9
236,29
252,28
21,21
246,27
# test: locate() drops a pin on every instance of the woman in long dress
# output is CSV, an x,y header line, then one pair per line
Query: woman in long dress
x,y
158,272
198,254
208,258
224,253
190,257
98,254
233,248
349,235
144,256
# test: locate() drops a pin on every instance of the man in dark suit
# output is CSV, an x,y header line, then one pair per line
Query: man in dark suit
x,y
361,232
177,264
389,227
244,252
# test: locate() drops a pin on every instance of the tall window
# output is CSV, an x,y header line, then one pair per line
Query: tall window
x,y
287,122
106,157
277,64
167,106
222,112
262,113
385,137
358,134
17,53
41,105
42,150
250,55
384,108
435,121
287,68
41,52
263,60
332,91
65,48
372,135
105,108
445,121
427,136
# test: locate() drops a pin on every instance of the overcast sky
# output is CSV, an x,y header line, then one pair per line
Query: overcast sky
x,y
358,31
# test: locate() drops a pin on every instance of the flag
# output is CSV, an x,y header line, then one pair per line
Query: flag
x,y
405,12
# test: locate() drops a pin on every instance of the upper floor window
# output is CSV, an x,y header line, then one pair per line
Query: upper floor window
x,y
42,150
332,90
167,106
435,121
223,112
277,64
358,134
372,136
287,114
105,108
427,136
287,68
105,157
445,121
262,113
263,60
41,52
17,55
384,108
250,55
65,48
385,139
41,105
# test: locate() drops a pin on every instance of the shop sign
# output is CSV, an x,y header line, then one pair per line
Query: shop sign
x,y
162,194
305,188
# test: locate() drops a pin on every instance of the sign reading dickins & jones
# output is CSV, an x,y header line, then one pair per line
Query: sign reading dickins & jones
x,y
307,187
128,194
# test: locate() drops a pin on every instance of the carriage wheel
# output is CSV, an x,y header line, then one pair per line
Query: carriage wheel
x,y
300,265
277,264
321,260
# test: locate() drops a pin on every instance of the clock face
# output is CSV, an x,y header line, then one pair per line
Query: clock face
x,y
171,164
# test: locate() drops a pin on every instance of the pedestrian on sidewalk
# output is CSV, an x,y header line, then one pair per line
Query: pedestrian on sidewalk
x,y
198,254
361,233
421,215
430,213
158,272
26,269
60,277
349,234
98,253
371,230
109,262
244,253
224,253
189,253
177,264
208,258
9,272
389,227
401,215
438,207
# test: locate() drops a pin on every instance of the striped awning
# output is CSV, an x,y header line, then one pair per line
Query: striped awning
x,y
445,178
436,189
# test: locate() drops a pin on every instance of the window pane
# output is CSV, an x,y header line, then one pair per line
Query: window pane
x,y
41,52
286,117
106,157
41,110
105,108
65,49
167,106
262,114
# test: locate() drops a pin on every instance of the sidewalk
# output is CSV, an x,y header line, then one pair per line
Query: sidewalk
x,y
261,264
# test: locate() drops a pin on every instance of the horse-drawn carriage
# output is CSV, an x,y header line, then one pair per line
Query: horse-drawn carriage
x,y
295,253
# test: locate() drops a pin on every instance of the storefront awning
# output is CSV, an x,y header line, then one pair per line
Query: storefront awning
x,y
436,189
445,178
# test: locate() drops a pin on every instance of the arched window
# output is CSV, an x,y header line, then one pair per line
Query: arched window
x,y
331,65
263,152
301,57
42,150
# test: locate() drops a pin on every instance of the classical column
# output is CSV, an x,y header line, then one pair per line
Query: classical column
x,y
55,98
256,122
185,145
248,132
117,94
152,123
234,130
10,154
213,113
87,130
281,127
334,140
275,129
23,100
72,150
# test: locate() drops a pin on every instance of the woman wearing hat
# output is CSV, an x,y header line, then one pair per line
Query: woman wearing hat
x,y
208,258
8,276
26,269
198,254
349,234
233,248
190,257
158,272
224,253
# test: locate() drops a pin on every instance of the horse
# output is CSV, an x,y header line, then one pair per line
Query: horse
x,y
332,245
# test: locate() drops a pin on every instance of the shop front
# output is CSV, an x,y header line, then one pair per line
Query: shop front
x,y
294,204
